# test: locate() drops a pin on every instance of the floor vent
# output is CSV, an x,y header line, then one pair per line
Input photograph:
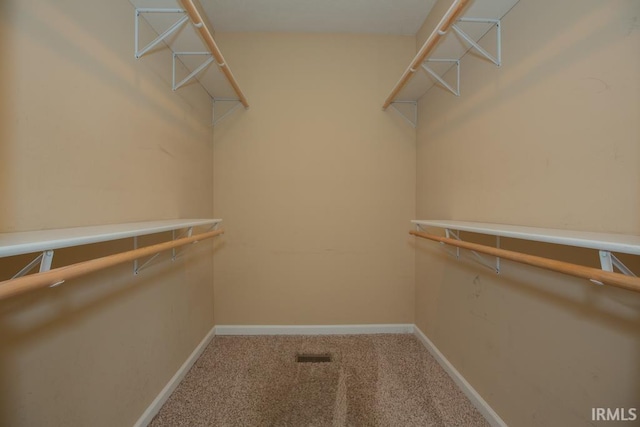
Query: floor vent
x,y
313,358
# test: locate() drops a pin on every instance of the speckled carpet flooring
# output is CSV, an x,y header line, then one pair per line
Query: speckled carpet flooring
x,y
373,380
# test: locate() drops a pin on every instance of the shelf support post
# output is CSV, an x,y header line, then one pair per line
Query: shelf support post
x,y
174,252
479,257
44,259
609,260
189,233
135,261
146,262
498,258
448,233
47,259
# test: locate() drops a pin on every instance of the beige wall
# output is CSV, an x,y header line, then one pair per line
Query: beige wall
x,y
90,136
316,183
551,139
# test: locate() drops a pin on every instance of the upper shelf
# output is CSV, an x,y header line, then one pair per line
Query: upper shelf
x,y
622,243
45,240
189,39
445,44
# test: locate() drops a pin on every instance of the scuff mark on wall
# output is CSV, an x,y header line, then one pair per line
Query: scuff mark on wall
x,y
164,150
477,286
634,25
605,85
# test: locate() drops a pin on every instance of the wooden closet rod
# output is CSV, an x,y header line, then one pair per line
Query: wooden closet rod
x,y
199,24
13,287
610,278
449,18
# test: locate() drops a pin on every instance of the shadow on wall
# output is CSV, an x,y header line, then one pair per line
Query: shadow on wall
x,y
537,63
586,304
48,314
602,307
6,119
77,33
72,90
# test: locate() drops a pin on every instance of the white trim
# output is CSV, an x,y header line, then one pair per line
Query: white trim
x,y
398,328
489,414
24,242
157,403
614,242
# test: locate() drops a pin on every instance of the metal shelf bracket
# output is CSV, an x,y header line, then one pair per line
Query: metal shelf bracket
x,y
439,79
188,232
172,29
217,115
479,258
137,268
44,259
450,233
191,75
497,60
609,260
408,110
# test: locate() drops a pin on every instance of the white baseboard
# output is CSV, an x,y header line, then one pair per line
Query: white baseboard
x,y
157,403
489,414
314,329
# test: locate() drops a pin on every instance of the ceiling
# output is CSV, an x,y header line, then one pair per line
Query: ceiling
x,y
327,16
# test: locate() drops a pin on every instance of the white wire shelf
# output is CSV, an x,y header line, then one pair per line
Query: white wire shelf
x,y
47,241
182,28
25,242
622,243
605,243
